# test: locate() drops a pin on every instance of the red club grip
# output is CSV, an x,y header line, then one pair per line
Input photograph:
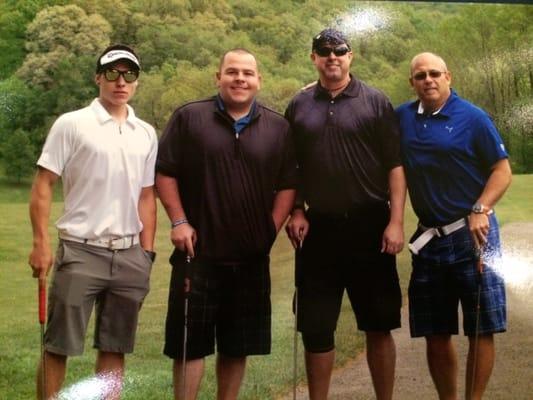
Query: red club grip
x,y
42,301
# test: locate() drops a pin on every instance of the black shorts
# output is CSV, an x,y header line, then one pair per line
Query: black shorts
x,y
345,253
226,303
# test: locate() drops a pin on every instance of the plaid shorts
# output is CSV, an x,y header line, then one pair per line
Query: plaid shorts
x,y
227,303
444,274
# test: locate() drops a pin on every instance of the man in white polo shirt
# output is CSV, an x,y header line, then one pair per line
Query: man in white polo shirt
x,y
105,157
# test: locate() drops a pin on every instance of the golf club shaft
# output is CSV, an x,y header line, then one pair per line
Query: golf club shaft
x,y
479,279
186,290
297,277
42,321
295,358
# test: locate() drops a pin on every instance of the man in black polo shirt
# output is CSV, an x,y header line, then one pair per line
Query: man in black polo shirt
x,y
226,176
347,147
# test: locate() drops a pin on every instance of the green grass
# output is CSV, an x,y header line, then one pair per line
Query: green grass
x,y
148,371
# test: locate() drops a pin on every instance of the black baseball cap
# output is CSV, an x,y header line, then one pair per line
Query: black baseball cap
x,y
115,53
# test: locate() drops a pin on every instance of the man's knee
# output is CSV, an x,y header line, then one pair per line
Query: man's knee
x,y
318,342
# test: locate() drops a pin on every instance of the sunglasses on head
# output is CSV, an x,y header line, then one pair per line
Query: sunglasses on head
x,y
113,74
326,51
420,76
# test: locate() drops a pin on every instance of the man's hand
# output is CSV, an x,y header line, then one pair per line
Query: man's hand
x,y
392,242
40,261
297,228
479,228
184,238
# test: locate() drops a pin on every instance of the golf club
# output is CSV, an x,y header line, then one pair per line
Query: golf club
x,y
42,321
297,277
186,291
479,279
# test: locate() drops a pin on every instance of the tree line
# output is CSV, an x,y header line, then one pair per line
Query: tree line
x,y
49,49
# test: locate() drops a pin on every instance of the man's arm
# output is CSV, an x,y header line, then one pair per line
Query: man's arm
x,y
41,258
283,202
148,215
393,238
498,182
183,236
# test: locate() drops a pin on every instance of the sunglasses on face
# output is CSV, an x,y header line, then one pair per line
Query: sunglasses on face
x,y
420,76
339,51
113,74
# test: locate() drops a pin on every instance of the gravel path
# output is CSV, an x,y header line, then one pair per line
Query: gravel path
x,y
512,378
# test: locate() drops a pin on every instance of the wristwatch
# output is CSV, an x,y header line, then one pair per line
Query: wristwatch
x,y
479,208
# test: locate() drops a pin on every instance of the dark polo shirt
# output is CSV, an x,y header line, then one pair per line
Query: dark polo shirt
x,y
345,146
227,182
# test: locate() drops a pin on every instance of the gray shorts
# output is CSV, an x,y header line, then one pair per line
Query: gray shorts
x,y
115,282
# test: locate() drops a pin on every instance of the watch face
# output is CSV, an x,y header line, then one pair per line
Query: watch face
x,y
477,208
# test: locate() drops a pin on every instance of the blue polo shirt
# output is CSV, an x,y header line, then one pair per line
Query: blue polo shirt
x,y
447,157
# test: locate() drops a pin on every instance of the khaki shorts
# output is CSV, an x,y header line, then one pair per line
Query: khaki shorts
x,y
114,282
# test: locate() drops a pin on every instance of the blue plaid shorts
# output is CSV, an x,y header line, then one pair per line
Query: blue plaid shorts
x,y
444,274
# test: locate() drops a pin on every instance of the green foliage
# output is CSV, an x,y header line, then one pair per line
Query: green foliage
x,y
53,45
18,156
61,34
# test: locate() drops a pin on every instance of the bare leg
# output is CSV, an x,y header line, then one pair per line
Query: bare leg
x,y
195,371
442,361
484,364
56,367
230,372
110,368
319,367
381,358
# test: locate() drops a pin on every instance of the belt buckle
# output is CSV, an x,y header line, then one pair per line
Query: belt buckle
x,y
111,244
439,232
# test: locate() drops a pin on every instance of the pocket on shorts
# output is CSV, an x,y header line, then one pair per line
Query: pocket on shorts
x,y
451,249
147,256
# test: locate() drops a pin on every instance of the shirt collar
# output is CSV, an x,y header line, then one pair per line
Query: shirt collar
x,y
443,110
352,90
103,115
219,104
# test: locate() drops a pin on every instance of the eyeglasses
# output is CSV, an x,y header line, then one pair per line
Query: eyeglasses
x,y
420,76
113,74
325,51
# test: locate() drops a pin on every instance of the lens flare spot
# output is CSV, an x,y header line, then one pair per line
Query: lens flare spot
x,y
94,388
517,271
363,21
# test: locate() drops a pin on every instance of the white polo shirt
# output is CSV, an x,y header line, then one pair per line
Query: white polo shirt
x,y
103,165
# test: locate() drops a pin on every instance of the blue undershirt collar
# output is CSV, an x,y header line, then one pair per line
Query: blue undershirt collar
x,y
241,123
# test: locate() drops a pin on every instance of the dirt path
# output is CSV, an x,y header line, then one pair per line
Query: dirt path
x,y
512,378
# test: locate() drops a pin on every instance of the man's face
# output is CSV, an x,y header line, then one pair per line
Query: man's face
x,y
238,80
118,92
431,81
332,62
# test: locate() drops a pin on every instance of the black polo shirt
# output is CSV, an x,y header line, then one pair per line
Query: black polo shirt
x,y
227,182
345,146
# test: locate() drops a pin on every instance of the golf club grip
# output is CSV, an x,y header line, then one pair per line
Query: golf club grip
x,y
42,301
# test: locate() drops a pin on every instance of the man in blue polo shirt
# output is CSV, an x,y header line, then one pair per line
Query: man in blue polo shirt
x,y
457,169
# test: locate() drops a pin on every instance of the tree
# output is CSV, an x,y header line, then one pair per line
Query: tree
x,y
61,33
18,156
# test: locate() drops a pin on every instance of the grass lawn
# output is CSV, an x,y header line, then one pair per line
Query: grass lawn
x,y
148,371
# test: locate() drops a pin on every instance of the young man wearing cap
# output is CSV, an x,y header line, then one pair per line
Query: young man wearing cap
x,y
226,177
457,169
105,156
347,146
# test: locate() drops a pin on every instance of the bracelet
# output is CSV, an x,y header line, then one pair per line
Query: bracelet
x,y
178,223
